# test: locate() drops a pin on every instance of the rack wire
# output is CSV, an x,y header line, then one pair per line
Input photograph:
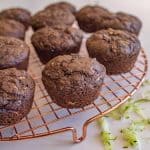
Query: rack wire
x,y
44,113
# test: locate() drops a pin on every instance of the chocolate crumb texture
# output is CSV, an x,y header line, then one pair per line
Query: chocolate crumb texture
x,y
18,14
12,28
16,95
117,50
13,53
50,42
73,81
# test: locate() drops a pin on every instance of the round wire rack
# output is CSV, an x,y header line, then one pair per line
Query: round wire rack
x,y
44,114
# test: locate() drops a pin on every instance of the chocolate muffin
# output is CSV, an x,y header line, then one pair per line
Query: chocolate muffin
x,y
12,28
52,17
90,18
73,81
94,18
19,14
16,95
127,22
117,50
62,5
50,42
13,53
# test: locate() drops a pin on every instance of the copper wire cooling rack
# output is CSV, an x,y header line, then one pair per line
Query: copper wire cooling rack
x,y
44,114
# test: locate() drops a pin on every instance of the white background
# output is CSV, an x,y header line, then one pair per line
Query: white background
x,y
140,8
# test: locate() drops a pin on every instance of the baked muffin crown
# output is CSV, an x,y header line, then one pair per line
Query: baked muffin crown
x,y
12,28
50,42
51,17
69,64
16,95
112,43
129,22
12,52
62,5
19,14
15,85
56,39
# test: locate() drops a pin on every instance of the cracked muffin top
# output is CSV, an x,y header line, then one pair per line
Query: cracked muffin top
x,y
51,17
113,43
56,39
74,66
16,85
62,5
12,52
19,14
12,28
73,81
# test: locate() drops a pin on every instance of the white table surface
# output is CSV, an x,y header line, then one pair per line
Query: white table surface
x,y
141,8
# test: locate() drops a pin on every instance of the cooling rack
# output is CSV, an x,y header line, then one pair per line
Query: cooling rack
x,y
45,114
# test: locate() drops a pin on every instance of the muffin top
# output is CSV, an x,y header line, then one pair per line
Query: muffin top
x,y
62,5
112,44
51,17
128,22
56,39
16,88
12,28
92,12
91,18
12,51
73,67
19,14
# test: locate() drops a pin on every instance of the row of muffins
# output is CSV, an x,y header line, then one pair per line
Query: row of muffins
x,y
16,85
71,80
15,21
57,37
90,18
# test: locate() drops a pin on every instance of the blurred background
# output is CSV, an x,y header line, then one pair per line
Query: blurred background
x,y
140,8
